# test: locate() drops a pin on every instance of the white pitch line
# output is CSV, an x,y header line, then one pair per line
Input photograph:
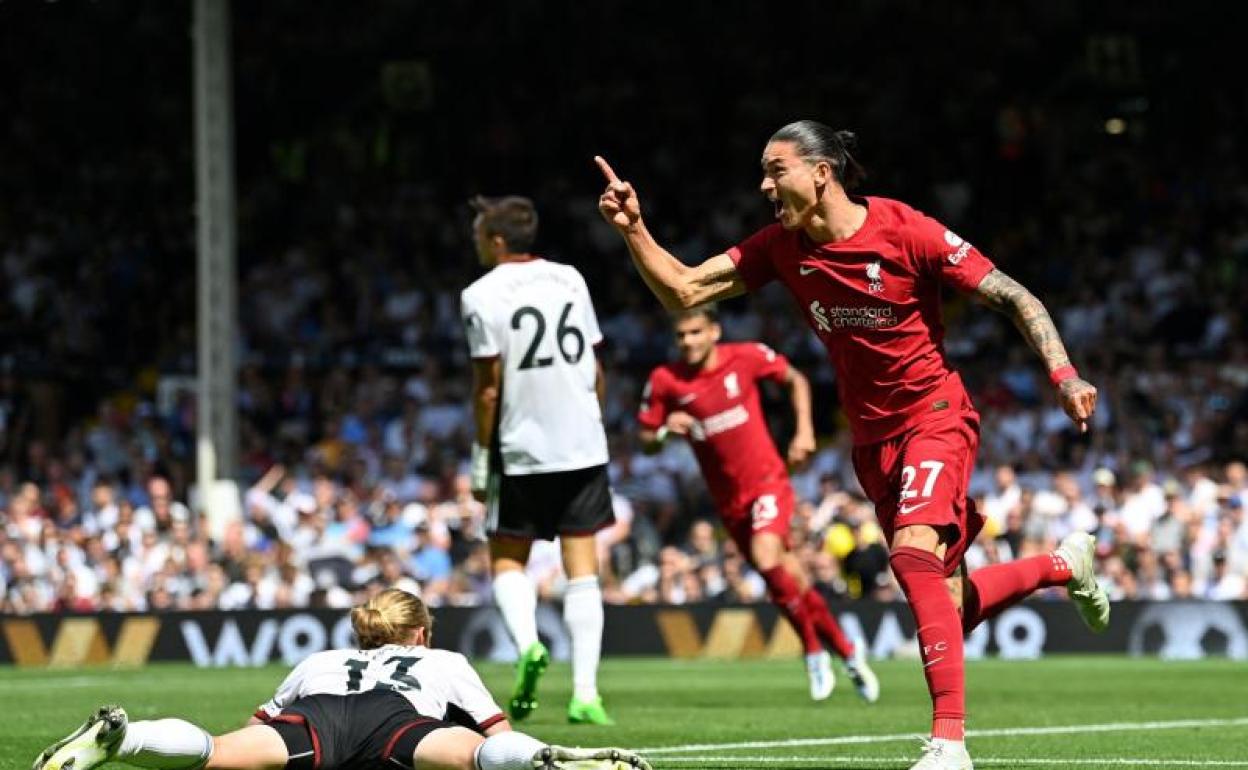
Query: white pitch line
x,y
979,761
841,740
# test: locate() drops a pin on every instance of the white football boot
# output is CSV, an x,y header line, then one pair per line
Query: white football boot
x,y
941,754
1079,551
860,673
564,758
88,747
819,670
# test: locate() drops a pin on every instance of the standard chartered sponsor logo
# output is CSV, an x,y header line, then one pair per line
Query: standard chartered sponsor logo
x,y
718,423
850,317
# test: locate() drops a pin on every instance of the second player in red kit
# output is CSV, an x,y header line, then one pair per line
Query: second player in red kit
x,y
868,275
715,404
711,398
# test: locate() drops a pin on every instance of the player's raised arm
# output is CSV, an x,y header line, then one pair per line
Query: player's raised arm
x,y
1005,295
677,285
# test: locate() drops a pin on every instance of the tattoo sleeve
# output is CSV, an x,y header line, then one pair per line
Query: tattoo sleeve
x,y
1006,295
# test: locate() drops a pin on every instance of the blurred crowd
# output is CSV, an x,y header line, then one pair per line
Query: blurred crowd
x,y
321,540
1082,163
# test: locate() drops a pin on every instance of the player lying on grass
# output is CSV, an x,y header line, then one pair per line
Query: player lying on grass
x,y
393,701
868,274
711,398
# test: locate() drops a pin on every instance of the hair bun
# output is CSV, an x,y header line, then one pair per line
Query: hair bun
x,y
389,618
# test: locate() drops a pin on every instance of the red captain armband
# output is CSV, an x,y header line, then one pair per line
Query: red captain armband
x,y
1061,374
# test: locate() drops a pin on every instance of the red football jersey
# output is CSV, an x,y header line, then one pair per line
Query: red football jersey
x,y
730,438
874,301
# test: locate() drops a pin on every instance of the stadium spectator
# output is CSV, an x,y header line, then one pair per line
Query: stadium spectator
x,y
353,366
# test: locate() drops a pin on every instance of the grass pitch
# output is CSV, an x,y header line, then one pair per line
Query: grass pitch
x,y
1073,712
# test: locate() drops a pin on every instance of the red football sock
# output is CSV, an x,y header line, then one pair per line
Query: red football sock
x,y
785,595
922,578
1002,585
829,630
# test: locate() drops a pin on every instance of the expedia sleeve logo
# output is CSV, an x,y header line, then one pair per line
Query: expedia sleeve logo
x,y
961,247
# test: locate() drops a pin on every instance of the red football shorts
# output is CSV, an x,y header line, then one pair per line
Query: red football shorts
x,y
921,477
770,509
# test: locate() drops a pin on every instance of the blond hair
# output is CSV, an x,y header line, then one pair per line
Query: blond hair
x,y
389,618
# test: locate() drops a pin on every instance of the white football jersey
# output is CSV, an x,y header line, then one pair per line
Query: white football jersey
x,y
538,318
436,682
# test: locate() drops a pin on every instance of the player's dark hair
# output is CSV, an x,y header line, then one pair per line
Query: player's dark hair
x,y
816,141
708,310
389,618
512,217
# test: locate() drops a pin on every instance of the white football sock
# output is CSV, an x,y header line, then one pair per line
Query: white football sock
x,y
165,744
508,751
582,612
517,600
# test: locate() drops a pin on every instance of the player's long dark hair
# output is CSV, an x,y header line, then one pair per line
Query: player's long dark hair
x,y
816,141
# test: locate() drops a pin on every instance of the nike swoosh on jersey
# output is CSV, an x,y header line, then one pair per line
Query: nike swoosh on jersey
x,y
903,510
686,399
806,270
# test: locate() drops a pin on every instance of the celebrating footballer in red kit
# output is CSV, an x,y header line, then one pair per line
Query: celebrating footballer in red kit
x,y
868,275
711,398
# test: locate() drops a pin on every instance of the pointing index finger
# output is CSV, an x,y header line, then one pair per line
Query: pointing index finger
x,y
606,169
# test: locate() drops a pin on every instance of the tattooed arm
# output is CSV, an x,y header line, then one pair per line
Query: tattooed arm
x,y
1005,295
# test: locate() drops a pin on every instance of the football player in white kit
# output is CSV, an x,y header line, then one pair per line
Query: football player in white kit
x,y
540,457
392,701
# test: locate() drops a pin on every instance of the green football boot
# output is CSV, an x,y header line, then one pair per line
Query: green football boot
x,y
529,669
588,712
